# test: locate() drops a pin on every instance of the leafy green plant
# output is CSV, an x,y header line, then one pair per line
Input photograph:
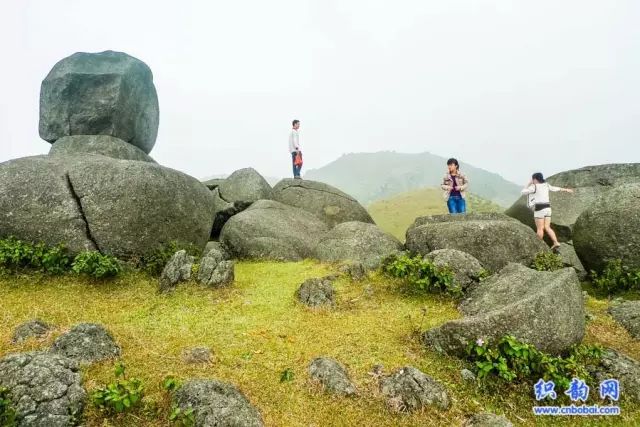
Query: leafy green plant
x,y
483,275
7,413
153,263
95,264
422,274
511,360
171,384
286,375
16,254
547,261
182,417
616,277
120,396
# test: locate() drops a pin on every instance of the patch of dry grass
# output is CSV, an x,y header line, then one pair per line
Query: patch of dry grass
x,y
256,330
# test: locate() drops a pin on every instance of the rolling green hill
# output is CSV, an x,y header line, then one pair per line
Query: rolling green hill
x,y
376,176
396,214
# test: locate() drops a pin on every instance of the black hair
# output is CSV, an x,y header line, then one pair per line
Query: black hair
x,y
453,161
538,177
295,122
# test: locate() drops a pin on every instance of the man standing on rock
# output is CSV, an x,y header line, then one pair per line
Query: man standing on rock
x,y
454,185
294,149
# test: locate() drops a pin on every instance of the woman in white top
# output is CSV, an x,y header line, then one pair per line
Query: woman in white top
x,y
538,192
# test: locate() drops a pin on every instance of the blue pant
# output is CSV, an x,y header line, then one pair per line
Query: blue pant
x,y
456,205
296,169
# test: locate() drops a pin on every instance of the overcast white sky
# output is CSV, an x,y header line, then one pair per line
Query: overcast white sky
x,y
510,86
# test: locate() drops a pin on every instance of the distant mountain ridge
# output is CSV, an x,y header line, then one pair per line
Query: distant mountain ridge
x,y
376,176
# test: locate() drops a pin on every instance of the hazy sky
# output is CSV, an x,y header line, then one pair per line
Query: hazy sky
x,y
509,86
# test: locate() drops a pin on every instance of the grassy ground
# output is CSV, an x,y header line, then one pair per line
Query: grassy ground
x,y
256,331
396,214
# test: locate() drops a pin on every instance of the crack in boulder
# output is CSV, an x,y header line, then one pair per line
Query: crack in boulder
x,y
78,201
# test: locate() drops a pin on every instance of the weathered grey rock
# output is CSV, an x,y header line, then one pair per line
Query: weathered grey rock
x,y
409,389
214,271
332,375
486,419
628,315
216,403
45,389
467,375
103,145
609,229
623,368
493,239
86,343
357,241
197,355
219,247
90,202
355,270
177,269
543,308
223,210
34,328
245,186
316,292
324,201
272,230
589,183
570,259
107,93
465,267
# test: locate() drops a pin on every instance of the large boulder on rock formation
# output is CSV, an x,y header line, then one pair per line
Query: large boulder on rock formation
x,y
245,186
324,201
609,229
272,230
492,238
589,183
91,202
107,93
545,309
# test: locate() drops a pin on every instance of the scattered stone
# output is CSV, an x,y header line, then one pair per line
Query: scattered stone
x,y
355,270
45,389
467,375
177,270
486,419
543,308
86,343
332,375
197,355
328,203
214,271
357,241
103,145
494,239
623,368
107,93
218,247
272,230
609,229
316,293
409,389
215,403
465,267
34,328
628,315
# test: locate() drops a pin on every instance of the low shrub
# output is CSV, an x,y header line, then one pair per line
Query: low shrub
x,y
7,413
547,261
616,277
16,254
422,274
182,417
95,264
120,396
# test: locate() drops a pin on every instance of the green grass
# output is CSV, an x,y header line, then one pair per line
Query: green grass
x,y
256,331
396,214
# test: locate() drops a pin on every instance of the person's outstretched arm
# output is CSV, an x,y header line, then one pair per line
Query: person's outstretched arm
x,y
529,188
555,189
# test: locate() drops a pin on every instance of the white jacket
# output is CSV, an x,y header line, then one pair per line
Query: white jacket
x,y
294,141
539,193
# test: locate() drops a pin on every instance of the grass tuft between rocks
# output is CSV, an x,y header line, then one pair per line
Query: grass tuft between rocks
x,y
256,331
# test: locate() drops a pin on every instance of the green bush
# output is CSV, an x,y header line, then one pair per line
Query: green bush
x,y
153,263
422,274
547,261
182,417
616,277
95,264
7,413
120,396
16,254
511,360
